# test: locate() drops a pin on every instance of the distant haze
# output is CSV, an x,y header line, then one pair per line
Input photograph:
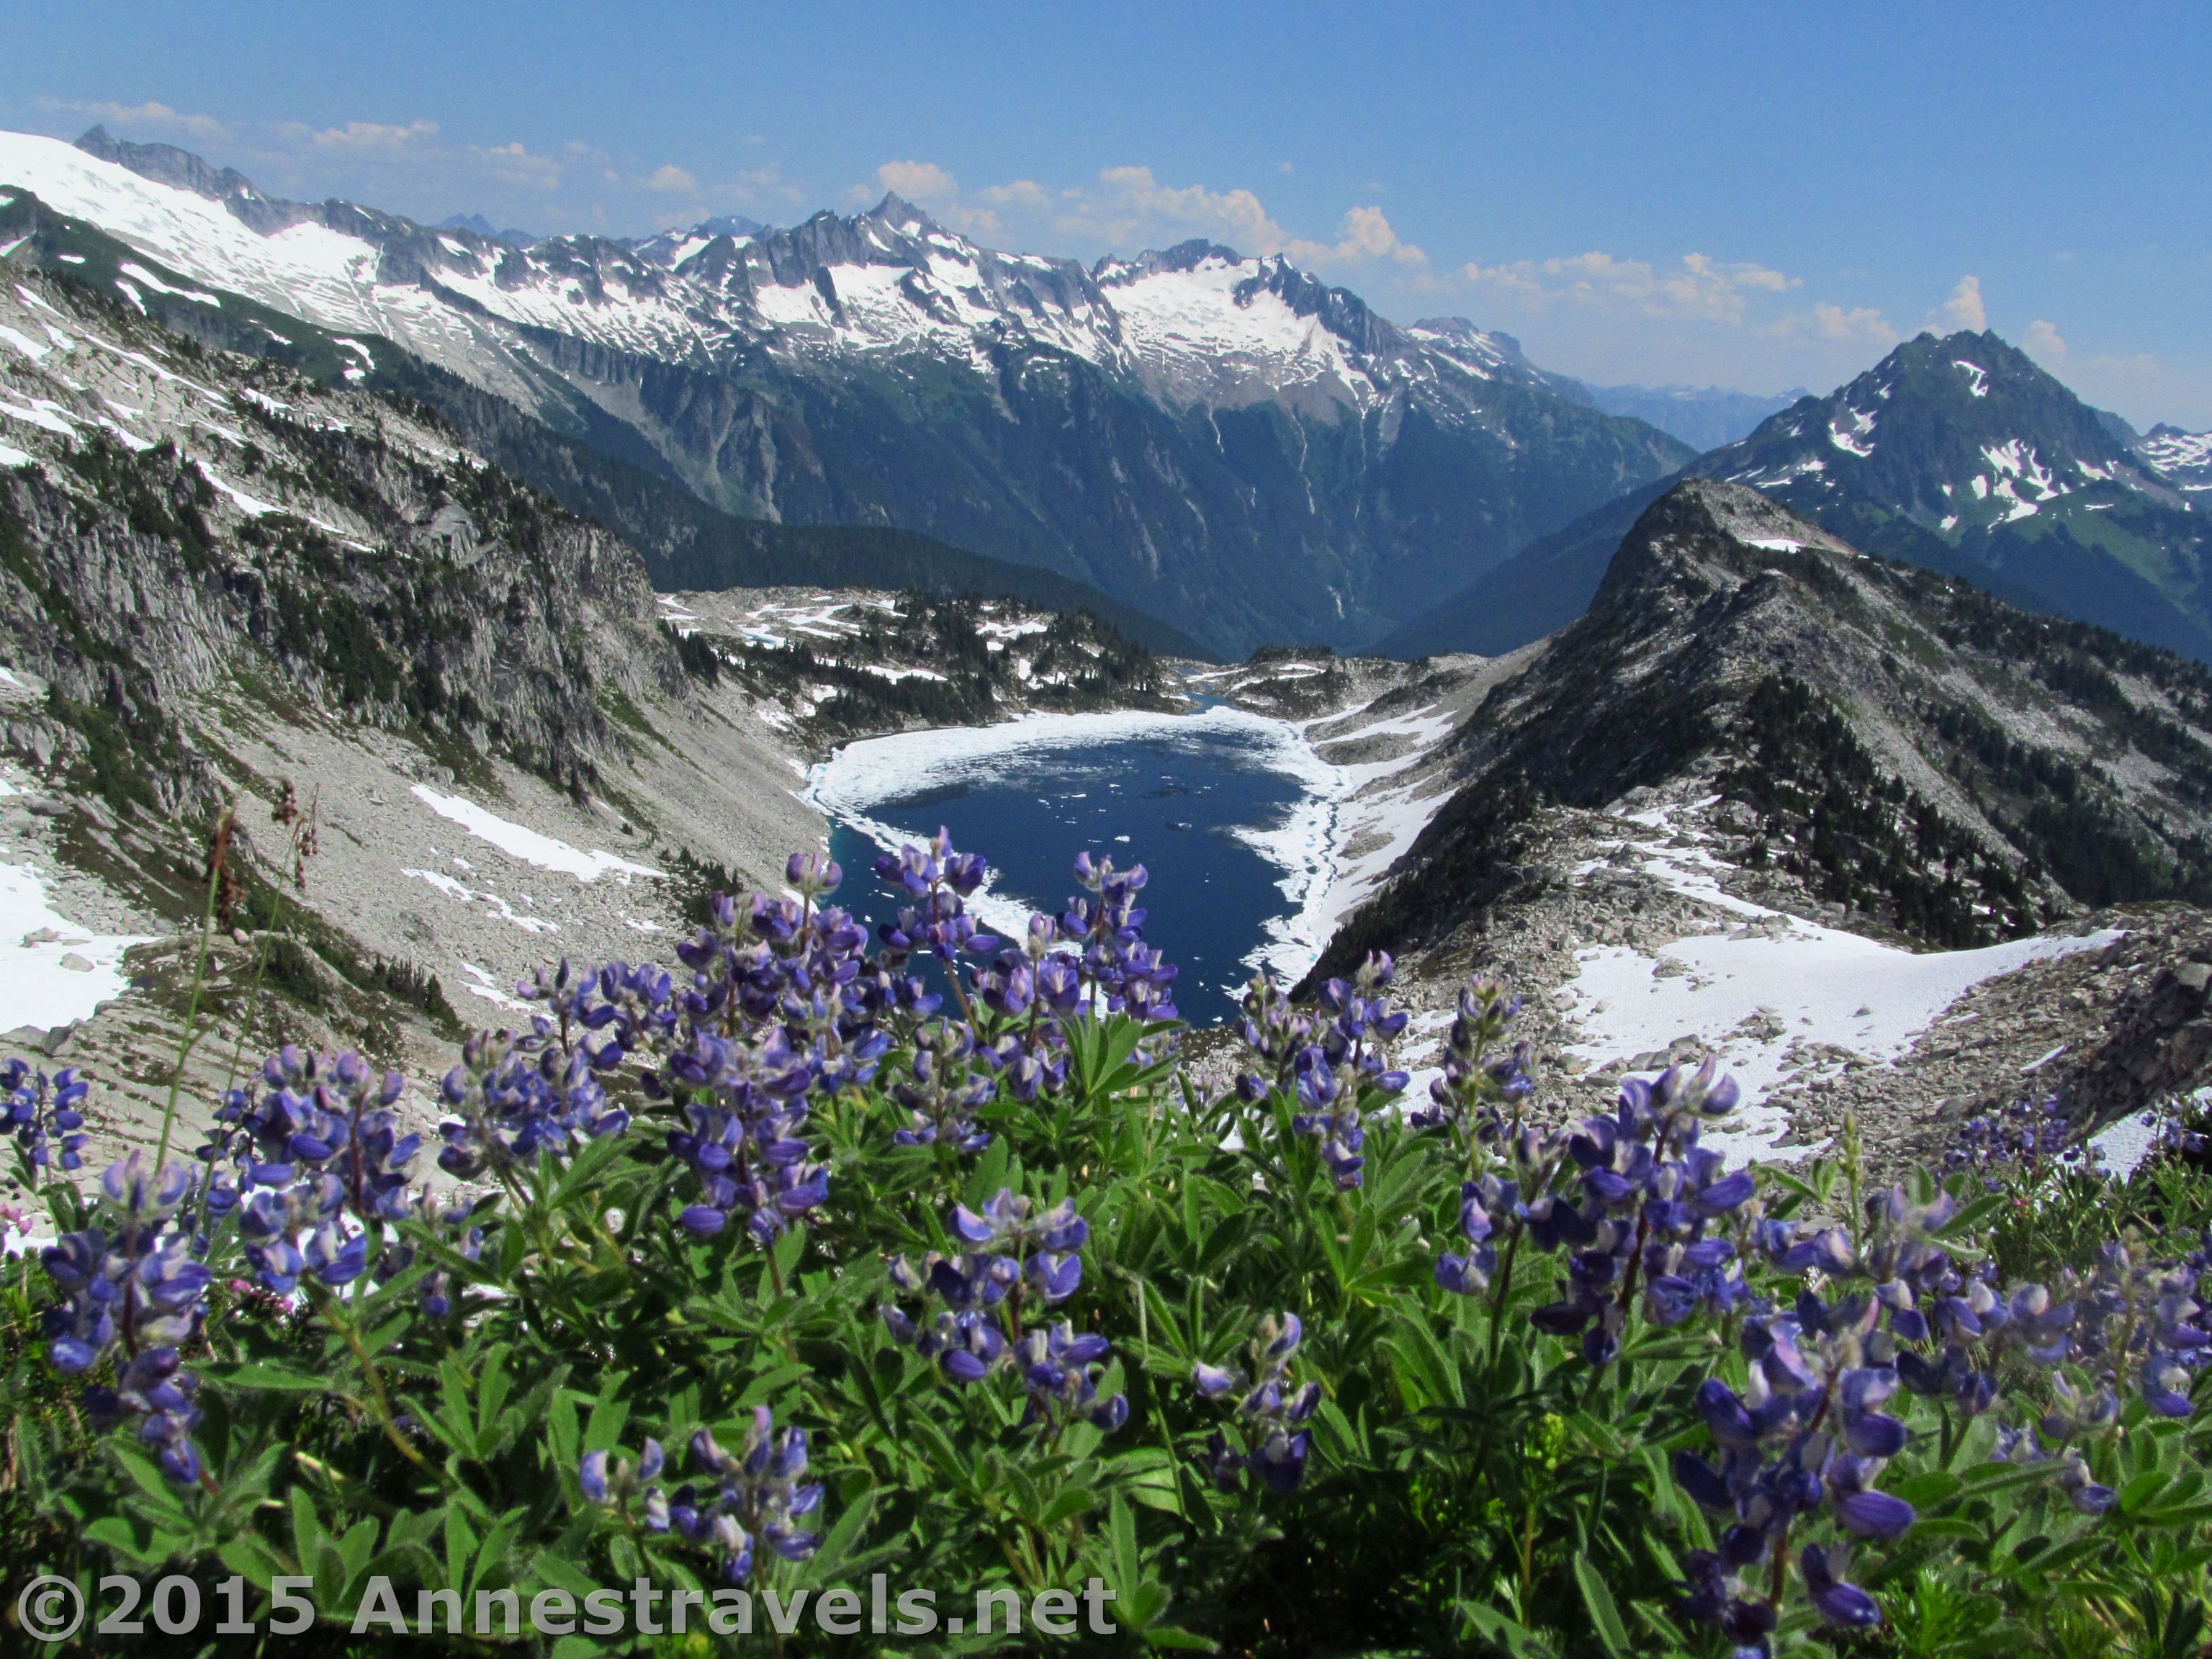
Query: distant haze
x,y
1704,417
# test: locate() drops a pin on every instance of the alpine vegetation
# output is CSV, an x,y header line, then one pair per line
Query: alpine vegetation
x,y
810,1258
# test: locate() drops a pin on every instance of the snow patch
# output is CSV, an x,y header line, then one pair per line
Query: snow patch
x,y
517,841
1814,981
35,350
40,983
146,278
489,989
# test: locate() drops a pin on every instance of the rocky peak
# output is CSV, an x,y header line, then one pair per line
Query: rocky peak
x,y
180,169
1946,767
1706,538
1112,272
1964,430
896,213
1340,311
165,164
1459,331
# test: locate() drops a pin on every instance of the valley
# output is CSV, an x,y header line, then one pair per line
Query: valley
x,y
1715,772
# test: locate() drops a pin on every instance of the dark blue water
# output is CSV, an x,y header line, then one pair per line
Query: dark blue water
x,y
1172,803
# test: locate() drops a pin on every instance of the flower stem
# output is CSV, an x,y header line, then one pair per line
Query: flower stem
x,y
1498,1293
219,849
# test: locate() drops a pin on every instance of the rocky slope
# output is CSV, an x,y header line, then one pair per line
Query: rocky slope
x,y
1776,796
1221,441
1959,454
457,733
823,667
225,586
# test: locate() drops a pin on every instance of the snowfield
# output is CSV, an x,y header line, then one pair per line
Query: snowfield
x,y
1749,994
51,971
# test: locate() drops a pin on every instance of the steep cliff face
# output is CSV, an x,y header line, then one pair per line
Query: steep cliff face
x,y
182,528
449,729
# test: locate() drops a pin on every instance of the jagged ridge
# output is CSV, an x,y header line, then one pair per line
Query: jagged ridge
x,y
1946,767
1314,477
1960,454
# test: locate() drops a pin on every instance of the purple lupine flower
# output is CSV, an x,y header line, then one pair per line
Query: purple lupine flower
x,y
616,1483
42,1112
1024,1255
761,1488
743,1117
1060,1370
943,880
1272,1410
1807,1437
1479,1084
1115,967
948,1081
514,1096
1329,1065
1465,1275
1840,1603
132,1288
1635,1196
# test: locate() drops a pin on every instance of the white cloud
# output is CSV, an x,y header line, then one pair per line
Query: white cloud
x,y
1964,309
918,182
514,164
151,113
371,136
1699,286
1365,233
2044,342
1855,323
1021,193
1130,207
672,180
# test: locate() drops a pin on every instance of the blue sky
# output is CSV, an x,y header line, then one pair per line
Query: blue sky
x,y
1759,196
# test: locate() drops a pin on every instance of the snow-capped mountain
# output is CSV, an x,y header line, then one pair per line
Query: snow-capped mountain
x,y
1960,453
1796,800
2184,460
1208,327
1959,434
1225,441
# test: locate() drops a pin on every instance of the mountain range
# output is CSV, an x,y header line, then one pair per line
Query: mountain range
x,y
1225,441
223,574
1958,454
1212,451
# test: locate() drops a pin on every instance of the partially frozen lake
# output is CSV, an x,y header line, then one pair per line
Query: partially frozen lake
x,y
1229,812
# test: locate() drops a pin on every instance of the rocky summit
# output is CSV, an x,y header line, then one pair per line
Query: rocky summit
x,y
1779,798
1958,454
